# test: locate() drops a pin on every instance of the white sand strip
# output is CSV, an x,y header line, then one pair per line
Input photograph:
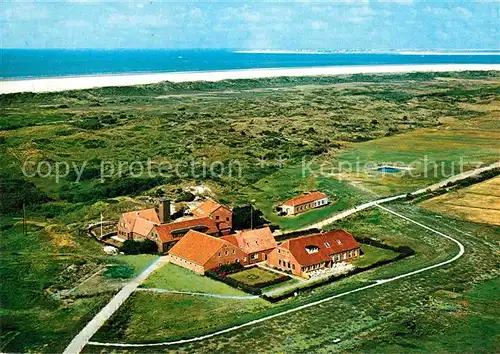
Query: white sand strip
x,y
86,82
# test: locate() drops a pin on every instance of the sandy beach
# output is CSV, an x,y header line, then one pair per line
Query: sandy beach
x,y
86,82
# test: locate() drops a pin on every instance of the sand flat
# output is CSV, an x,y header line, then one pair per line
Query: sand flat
x,y
94,81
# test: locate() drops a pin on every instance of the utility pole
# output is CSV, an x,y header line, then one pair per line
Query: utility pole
x,y
251,213
251,216
24,219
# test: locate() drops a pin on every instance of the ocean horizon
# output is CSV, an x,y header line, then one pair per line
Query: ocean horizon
x,y
45,63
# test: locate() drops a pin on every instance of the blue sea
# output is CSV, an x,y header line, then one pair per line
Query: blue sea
x,y
20,63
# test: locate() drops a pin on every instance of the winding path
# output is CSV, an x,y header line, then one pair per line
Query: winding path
x,y
315,303
432,187
93,326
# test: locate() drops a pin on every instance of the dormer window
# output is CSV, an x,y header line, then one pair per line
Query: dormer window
x,y
327,245
312,249
339,242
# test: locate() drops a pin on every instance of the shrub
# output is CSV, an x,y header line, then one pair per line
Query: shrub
x,y
138,247
109,120
64,132
185,196
121,271
89,124
14,191
242,216
94,144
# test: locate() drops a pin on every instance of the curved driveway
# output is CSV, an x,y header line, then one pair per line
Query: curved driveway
x,y
315,303
93,326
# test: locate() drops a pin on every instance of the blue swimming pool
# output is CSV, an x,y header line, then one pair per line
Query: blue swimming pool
x,y
388,169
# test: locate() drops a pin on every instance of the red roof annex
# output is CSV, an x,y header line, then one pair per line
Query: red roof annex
x,y
327,244
304,199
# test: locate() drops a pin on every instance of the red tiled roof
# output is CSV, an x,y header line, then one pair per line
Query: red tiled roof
x,y
143,226
142,221
306,198
166,231
251,241
197,247
338,240
206,208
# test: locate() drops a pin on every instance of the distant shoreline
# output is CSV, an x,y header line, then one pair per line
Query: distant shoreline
x,y
57,84
404,52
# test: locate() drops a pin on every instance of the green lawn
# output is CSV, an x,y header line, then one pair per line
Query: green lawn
x,y
254,276
139,261
148,316
372,254
290,182
173,277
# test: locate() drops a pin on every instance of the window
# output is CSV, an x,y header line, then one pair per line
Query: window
x,y
312,249
227,219
339,242
217,217
219,254
327,244
288,265
279,262
234,251
236,260
278,250
293,266
254,256
350,254
226,252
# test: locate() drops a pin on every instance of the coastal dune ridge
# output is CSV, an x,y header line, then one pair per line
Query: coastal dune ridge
x,y
65,83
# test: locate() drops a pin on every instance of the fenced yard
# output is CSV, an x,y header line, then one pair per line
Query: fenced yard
x,y
257,277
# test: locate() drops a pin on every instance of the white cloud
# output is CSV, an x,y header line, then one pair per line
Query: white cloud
x,y
319,25
463,12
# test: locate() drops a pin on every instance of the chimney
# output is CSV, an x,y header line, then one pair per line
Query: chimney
x,y
164,211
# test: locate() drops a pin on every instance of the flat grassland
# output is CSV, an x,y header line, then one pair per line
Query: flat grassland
x,y
477,203
254,276
173,277
372,254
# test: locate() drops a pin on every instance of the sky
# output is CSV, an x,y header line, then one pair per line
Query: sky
x,y
284,24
